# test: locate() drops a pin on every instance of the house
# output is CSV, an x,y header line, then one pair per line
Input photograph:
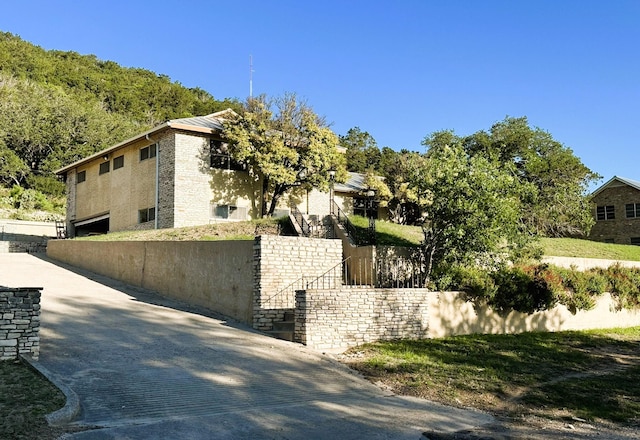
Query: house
x,y
176,174
617,212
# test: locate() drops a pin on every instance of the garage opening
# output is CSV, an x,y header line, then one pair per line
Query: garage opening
x,y
93,226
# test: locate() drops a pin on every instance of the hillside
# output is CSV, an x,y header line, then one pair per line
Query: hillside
x,y
56,107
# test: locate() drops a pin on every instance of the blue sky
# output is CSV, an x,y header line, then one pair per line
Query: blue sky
x,y
398,69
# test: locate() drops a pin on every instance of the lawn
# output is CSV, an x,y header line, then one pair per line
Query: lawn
x,y
25,398
572,247
592,375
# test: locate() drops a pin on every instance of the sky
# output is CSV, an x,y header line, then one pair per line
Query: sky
x,y
399,70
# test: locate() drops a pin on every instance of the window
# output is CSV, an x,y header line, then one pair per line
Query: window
x,y
118,162
146,215
104,167
635,241
221,159
632,210
229,212
81,176
148,152
605,212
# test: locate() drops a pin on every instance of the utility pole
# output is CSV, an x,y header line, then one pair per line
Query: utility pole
x,y
250,76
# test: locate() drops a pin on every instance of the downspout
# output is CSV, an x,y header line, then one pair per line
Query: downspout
x,y
157,190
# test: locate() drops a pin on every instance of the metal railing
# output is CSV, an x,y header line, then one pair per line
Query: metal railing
x,y
304,225
395,272
359,237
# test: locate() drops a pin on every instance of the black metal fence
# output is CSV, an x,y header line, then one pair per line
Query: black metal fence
x,y
359,236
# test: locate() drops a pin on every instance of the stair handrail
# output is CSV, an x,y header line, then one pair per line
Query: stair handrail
x,y
329,277
305,227
351,229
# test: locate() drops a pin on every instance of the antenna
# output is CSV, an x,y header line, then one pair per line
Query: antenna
x,y
250,76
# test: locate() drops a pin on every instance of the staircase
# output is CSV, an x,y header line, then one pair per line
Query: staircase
x,y
284,329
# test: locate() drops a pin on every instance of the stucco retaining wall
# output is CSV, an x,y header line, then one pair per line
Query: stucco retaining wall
x,y
587,263
19,322
212,274
450,315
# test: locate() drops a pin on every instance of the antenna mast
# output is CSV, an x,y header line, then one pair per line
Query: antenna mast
x,y
250,76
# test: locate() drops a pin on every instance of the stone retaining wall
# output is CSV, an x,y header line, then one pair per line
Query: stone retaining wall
x,y
19,322
342,318
280,261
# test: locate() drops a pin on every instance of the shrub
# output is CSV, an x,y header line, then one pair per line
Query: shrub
x,y
624,285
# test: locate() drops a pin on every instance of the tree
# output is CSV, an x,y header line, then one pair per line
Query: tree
x,y
559,205
471,207
395,167
284,144
362,150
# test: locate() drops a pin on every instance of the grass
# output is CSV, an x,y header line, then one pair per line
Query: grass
x,y
390,234
246,230
572,247
594,375
25,398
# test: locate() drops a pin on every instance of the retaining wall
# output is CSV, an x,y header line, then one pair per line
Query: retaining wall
x,y
280,261
342,318
212,274
19,322
450,315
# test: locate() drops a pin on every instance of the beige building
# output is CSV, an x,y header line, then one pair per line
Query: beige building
x,y
176,174
617,212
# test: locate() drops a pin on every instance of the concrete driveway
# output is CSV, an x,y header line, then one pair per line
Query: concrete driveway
x,y
146,367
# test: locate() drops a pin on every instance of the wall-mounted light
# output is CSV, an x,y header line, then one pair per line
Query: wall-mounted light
x,y
105,157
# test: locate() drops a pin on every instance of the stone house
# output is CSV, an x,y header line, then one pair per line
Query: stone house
x,y
174,175
616,209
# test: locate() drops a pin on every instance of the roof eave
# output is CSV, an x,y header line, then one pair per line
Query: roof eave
x,y
101,153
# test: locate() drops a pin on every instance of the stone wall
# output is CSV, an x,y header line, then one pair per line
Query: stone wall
x,y
342,318
19,322
279,262
621,229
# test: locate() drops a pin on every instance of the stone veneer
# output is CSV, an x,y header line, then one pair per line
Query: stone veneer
x,y
621,229
280,261
19,322
342,318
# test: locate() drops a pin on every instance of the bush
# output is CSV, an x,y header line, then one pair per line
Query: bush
x,y
624,285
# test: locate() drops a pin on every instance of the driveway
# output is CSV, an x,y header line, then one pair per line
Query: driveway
x,y
146,367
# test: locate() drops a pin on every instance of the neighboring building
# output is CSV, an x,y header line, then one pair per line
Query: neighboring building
x,y
617,212
176,174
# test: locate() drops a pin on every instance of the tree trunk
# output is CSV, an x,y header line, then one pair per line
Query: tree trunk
x,y
265,193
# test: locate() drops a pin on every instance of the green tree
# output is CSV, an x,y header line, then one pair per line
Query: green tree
x,y
471,207
559,204
396,167
362,150
284,145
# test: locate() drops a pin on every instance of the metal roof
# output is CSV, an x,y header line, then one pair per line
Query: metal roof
x,y
355,183
630,182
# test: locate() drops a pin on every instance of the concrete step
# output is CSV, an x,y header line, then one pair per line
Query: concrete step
x,y
284,335
284,326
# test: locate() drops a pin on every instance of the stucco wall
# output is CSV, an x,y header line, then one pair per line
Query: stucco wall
x,y
216,275
621,229
120,192
587,263
450,315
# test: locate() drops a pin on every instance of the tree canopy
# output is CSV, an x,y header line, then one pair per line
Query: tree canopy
x,y
284,145
471,207
558,204
56,107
